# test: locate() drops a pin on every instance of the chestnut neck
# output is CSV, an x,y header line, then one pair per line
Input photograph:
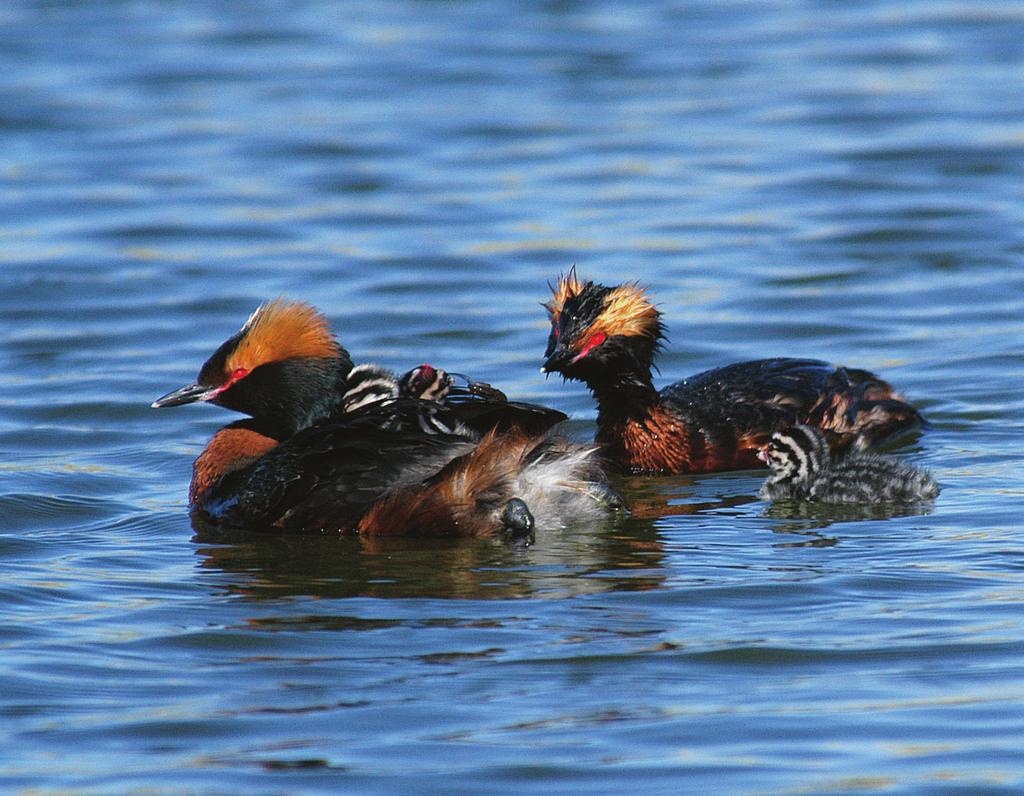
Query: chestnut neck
x,y
232,448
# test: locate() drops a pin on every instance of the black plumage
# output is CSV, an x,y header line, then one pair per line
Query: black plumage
x,y
327,476
608,338
355,448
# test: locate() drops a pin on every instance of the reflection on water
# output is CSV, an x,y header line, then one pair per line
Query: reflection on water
x,y
574,561
622,554
827,513
650,498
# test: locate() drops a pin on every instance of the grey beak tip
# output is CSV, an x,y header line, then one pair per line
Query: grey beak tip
x,y
188,394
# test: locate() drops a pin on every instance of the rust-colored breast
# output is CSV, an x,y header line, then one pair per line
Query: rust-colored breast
x,y
230,449
661,442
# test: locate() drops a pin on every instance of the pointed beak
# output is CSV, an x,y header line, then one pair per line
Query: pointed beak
x,y
557,360
189,394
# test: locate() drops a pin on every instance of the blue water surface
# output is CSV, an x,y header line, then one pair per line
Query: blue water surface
x,y
836,180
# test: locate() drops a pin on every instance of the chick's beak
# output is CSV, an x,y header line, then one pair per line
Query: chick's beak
x,y
763,456
189,394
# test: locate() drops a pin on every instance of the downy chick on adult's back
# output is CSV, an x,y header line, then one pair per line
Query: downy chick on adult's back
x,y
324,449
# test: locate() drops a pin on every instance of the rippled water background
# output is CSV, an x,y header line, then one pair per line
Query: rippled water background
x,y
841,180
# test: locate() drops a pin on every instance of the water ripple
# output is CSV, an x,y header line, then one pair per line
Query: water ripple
x,y
841,185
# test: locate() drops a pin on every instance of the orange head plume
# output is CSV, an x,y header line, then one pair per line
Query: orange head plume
x,y
568,286
307,368
628,311
278,330
600,332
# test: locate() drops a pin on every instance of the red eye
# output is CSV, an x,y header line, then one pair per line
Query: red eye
x,y
229,381
554,331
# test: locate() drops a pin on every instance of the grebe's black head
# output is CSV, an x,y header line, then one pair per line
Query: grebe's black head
x,y
283,367
602,335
